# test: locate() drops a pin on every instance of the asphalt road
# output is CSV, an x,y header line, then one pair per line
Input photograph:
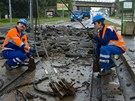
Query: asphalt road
x,y
5,28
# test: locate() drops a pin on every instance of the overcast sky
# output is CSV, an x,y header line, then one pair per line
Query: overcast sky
x,y
98,0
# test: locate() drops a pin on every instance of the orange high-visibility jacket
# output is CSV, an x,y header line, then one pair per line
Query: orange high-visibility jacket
x,y
15,41
120,42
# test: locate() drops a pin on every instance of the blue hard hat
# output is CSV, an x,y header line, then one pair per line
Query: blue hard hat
x,y
23,21
98,17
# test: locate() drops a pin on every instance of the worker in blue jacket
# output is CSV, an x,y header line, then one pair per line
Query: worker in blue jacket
x,y
109,42
15,47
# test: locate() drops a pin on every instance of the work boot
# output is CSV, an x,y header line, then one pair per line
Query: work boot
x,y
8,67
24,64
112,65
104,72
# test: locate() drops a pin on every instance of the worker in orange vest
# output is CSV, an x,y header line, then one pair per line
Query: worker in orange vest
x,y
15,47
109,42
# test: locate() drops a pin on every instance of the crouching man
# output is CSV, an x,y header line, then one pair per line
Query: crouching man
x,y
109,42
15,47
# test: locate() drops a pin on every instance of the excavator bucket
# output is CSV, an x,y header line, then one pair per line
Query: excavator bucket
x,y
31,65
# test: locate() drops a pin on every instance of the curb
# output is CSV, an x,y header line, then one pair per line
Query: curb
x,y
130,64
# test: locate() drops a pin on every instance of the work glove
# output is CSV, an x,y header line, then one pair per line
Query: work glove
x,y
33,50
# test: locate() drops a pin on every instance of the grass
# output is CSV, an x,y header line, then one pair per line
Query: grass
x,y
6,22
111,23
54,19
115,17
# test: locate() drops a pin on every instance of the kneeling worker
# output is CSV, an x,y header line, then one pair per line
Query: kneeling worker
x,y
109,42
15,47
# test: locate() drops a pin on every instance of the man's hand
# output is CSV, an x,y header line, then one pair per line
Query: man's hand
x,y
31,57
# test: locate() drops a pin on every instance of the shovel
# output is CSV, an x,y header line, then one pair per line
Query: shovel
x,y
32,64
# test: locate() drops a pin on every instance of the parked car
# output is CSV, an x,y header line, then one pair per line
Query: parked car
x,y
77,15
86,14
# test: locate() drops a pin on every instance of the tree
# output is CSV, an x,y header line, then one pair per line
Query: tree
x,y
20,8
3,7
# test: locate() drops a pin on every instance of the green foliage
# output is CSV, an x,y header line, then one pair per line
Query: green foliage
x,y
3,7
60,13
20,8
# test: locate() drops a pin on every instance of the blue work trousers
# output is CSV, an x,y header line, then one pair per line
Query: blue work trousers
x,y
105,55
14,57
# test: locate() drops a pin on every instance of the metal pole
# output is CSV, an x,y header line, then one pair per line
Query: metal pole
x,y
31,14
118,8
0,16
122,18
10,11
133,10
63,10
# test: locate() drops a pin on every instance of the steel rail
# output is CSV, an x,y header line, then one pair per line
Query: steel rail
x,y
23,74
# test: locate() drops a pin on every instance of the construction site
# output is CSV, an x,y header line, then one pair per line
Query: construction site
x,y
63,68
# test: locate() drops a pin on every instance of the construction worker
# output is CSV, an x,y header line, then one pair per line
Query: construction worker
x,y
109,42
15,47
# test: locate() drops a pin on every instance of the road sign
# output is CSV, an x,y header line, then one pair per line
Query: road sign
x,y
121,0
61,6
127,5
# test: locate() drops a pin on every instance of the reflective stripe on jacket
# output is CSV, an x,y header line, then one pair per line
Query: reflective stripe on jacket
x,y
120,43
15,40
